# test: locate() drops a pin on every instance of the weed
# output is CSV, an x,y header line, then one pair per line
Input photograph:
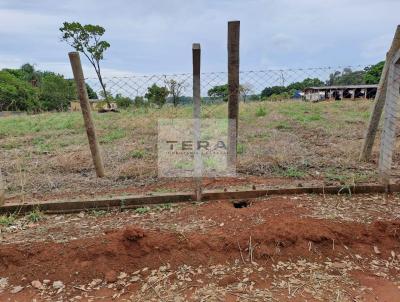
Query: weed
x,y
137,154
291,172
35,215
261,112
98,213
142,210
184,165
165,206
240,149
7,220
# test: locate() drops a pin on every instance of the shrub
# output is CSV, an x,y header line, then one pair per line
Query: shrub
x,y
17,95
261,111
123,102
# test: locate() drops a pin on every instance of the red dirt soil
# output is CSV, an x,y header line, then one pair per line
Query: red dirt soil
x,y
133,248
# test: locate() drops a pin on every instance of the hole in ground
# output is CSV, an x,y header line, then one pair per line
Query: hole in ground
x,y
239,204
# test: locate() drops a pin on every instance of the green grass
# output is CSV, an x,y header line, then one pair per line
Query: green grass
x,y
31,124
112,136
142,210
98,213
7,220
137,154
290,172
240,148
261,111
269,132
35,215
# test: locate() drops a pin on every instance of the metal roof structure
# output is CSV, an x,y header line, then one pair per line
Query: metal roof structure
x,y
342,87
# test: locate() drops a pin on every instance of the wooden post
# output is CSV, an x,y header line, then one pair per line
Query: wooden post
x,y
233,91
2,190
86,112
196,55
379,101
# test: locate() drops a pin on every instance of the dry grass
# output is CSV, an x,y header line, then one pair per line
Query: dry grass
x,y
49,153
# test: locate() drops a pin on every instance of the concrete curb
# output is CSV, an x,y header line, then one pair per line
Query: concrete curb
x,y
128,202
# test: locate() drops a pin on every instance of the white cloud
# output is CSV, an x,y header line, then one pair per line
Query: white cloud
x,y
156,36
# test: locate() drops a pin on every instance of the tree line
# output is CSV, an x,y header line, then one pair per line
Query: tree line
x,y
28,89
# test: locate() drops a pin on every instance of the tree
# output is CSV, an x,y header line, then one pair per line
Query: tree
x,y
157,95
16,94
56,92
346,77
175,90
245,89
373,73
139,101
219,92
308,82
87,40
122,101
91,93
268,91
30,74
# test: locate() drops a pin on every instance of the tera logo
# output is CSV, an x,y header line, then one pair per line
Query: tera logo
x,y
195,145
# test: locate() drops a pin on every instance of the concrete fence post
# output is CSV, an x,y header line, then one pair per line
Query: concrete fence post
x,y
2,190
86,112
233,91
391,120
196,54
380,98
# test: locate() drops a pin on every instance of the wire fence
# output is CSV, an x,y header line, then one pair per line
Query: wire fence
x,y
253,83
283,137
280,133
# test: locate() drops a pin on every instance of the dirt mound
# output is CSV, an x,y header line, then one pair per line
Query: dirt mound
x,y
133,234
132,248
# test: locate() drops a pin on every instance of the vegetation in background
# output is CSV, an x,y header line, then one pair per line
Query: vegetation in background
x,y
157,95
373,73
31,90
17,94
175,89
219,92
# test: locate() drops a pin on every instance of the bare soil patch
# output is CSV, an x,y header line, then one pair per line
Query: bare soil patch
x,y
274,249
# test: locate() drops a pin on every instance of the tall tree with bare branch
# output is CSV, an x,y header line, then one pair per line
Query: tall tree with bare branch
x,y
175,89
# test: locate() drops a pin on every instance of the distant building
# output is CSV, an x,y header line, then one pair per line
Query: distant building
x,y
315,94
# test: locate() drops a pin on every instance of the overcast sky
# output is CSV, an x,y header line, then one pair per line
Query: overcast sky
x,y
155,36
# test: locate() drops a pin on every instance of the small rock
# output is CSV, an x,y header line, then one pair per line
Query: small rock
x,y
81,215
376,250
16,289
37,284
122,275
111,276
95,282
3,282
46,281
58,285
135,279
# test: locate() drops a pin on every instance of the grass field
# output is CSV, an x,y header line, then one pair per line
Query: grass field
x,y
291,141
